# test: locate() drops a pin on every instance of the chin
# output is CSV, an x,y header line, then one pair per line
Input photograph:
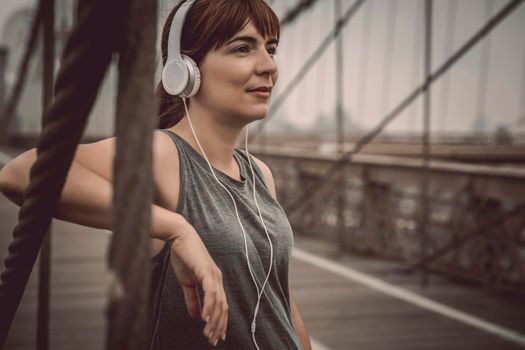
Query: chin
x,y
254,114
259,116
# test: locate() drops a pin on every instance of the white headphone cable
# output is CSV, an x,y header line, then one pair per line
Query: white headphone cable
x,y
259,293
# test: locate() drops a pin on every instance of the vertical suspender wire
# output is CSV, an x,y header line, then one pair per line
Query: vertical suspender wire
x,y
424,226
9,109
447,51
310,194
3,64
416,67
44,271
339,83
129,252
484,65
305,28
389,56
363,73
278,102
321,68
90,45
521,96
295,54
339,89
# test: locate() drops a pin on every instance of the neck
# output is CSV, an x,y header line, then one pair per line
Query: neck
x,y
217,138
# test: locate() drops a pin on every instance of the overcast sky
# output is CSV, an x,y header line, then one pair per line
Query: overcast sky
x,y
364,83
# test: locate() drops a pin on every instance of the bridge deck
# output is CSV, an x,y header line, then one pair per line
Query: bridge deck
x,y
340,312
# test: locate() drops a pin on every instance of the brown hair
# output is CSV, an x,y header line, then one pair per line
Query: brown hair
x,y
207,26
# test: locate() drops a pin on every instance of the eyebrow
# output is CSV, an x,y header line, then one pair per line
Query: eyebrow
x,y
252,40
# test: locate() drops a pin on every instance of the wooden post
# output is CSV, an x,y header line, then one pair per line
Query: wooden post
x,y
129,255
44,271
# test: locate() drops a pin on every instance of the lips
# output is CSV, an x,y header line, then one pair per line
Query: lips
x,y
262,89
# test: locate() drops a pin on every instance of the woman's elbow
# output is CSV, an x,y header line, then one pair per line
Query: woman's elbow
x,y
9,186
14,177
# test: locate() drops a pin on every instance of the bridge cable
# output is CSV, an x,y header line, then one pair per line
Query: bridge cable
x,y
484,66
309,63
388,56
447,50
364,59
416,66
8,111
308,195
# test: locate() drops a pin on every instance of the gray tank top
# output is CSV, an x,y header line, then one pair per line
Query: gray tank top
x,y
210,210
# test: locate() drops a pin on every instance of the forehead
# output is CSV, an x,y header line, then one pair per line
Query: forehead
x,y
249,30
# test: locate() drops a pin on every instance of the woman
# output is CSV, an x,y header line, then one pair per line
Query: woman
x,y
221,243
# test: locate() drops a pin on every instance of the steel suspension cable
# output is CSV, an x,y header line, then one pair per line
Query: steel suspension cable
x,y
308,65
484,65
8,110
416,66
363,61
388,57
296,11
447,50
329,174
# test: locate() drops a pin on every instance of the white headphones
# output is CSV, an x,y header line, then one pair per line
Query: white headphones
x,y
181,76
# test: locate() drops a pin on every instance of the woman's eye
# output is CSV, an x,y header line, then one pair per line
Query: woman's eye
x,y
240,49
272,50
246,49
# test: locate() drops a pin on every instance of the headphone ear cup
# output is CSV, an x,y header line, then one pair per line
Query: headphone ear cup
x,y
194,77
175,77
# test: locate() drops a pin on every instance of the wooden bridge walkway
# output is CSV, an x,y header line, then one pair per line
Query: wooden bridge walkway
x,y
347,302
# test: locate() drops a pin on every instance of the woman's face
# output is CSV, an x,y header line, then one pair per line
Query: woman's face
x,y
245,62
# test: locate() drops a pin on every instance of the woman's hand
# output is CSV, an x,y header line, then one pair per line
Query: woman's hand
x,y
194,266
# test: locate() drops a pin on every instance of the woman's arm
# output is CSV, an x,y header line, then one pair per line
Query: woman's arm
x,y
86,197
299,324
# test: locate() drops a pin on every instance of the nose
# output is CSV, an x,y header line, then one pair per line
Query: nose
x,y
266,64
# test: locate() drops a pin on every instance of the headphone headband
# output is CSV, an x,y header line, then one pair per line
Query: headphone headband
x,y
174,40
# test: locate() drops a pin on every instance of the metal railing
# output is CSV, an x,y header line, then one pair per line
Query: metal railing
x,y
476,213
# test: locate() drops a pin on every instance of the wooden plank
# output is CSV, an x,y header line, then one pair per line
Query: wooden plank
x,y
341,314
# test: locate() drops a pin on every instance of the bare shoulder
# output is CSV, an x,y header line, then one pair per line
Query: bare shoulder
x,y
268,176
166,170
164,149
99,156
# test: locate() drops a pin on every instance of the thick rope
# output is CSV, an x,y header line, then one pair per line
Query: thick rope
x,y
86,58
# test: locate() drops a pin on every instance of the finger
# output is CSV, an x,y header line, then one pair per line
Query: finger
x,y
213,327
221,307
208,287
192,299
224,318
